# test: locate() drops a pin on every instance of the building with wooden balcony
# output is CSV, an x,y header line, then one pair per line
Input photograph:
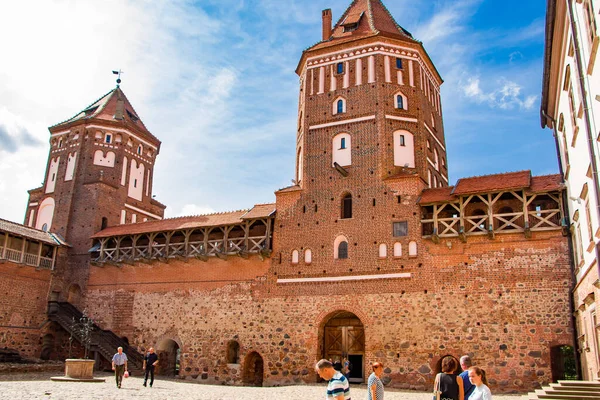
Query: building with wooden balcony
x,y
514,202
23,245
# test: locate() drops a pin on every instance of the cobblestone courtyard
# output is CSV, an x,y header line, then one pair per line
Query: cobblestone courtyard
x,y
39,386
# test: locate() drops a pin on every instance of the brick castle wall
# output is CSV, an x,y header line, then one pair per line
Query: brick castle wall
x,y
493,299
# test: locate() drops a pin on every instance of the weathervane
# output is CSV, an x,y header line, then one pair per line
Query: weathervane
x,y
118,73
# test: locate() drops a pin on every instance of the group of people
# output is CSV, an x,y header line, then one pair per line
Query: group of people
x,y
470,384
119,365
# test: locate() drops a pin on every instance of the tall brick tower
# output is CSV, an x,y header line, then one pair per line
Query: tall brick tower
x,y
370,139
99,174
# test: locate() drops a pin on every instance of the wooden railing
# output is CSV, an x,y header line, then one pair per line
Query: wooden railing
x,y
187,245
33,260
529,217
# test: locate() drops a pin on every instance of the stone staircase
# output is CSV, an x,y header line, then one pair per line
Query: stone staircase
x,y
568,390
104,342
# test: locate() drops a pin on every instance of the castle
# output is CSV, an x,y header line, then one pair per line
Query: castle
x,y
371,255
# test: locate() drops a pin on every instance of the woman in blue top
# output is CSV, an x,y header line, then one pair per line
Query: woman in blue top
x,y
478,378
374,384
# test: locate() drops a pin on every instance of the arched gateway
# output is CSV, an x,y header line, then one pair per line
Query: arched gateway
x,y
253,373
343,336
168,352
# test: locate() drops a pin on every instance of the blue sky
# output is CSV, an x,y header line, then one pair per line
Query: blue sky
x,y
215,81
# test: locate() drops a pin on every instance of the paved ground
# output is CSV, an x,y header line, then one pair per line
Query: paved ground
x,y
39,386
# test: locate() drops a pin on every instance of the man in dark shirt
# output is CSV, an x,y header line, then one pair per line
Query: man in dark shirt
x,y
150,361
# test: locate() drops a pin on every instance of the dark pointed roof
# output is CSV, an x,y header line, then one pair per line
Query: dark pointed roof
x,y
114,107
365,18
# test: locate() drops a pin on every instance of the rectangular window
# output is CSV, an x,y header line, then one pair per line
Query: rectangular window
x,y
135,183
399,63
590,20
340,68
108,138
400,229
588,217
402,141
578,245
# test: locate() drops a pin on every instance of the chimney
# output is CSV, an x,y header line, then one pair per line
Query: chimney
x,y
327,24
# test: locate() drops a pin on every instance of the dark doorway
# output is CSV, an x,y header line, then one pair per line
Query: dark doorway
x,y
253,370
47,347
168,358
562,361
356,373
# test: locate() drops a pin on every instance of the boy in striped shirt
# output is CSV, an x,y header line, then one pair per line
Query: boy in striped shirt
x,y
338,387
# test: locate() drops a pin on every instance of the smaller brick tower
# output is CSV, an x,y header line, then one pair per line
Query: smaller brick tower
x,y
99,174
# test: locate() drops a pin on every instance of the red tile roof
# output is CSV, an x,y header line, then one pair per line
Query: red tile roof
x,y
196,221
437,195
31,233
289,189
105,108
545,183
493,183
260,211
373,19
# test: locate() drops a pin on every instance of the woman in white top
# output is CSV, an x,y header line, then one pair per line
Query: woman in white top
x,y
478,378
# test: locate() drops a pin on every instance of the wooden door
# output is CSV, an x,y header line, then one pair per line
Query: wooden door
x,y
344,341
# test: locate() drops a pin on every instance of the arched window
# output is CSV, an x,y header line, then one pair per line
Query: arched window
x,y
412,249
382,250
347,206
343,250
400,101
233,352
341,149
339,106
45,227
404,152
60,143
295,257
436,159
340,248
308,256
300,166
429,177
397,249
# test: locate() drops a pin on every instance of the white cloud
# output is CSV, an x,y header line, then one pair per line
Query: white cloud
x,y
506,96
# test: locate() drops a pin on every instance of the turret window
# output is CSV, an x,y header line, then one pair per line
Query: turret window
x,y
339,106
343,251
140,149
347,206
108,138
340,68
341,149
398,63
340,248
400,101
